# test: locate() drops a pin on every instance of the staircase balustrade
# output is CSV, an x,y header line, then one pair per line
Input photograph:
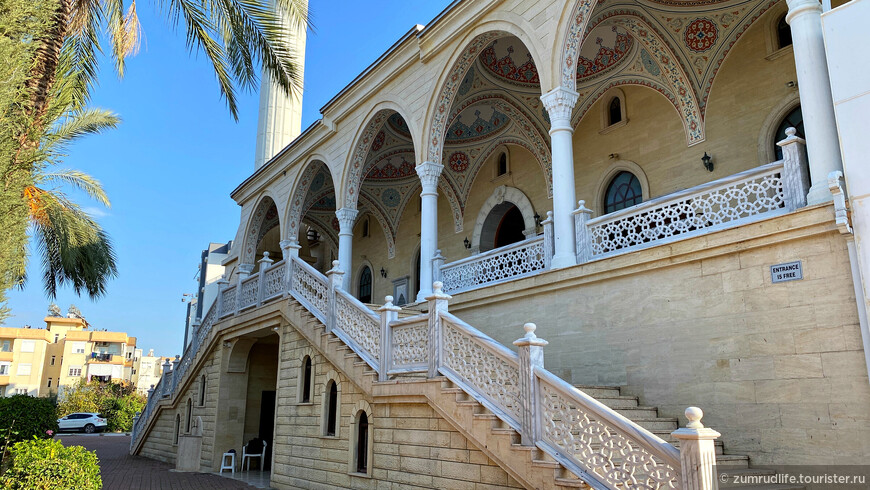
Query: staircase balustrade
x,y
600,446
514,261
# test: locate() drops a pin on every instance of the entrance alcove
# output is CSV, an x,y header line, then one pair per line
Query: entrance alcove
x,y
503,226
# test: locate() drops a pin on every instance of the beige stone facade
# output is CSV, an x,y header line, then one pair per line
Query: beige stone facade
x,y
683,312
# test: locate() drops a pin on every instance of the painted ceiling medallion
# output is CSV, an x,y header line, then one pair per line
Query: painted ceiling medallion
x,y
701,35
397,166
458,162
391,198
476,129
399,125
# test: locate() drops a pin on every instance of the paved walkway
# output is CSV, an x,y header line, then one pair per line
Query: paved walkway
x,y
120,471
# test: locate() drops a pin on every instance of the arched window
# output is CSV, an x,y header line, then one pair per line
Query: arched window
x,y
622,192
502,165
793,119
331,408
362,443
503,226
189,415
365,285
614,111
177,428
783,33
202,391
365,228
306,380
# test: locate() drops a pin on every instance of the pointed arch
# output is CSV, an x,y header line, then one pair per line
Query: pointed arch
x,y
450,79
260,221
295,208
574,22
502,194
369,205
356,163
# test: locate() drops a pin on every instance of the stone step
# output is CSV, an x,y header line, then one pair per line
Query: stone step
x,y
658,423
599,391
616,402
639,412
732,461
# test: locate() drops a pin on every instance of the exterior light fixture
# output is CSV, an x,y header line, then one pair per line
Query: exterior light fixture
x,y
537,220
383,273
707,160
466,243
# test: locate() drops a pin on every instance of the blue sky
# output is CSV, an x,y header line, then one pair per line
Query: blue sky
x,y
178,153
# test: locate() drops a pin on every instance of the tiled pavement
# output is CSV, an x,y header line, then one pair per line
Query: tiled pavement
x,y
120,471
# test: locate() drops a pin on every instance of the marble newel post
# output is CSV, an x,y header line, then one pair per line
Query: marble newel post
x,y
817,104
346,219
530,349
697,453
560,103
429,173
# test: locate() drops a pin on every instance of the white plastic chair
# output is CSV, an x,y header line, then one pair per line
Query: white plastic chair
x,y
248,456
232,463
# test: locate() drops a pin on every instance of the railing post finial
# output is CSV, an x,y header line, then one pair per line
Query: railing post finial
x,y
389,313
795,170
582,215
530,349
697,452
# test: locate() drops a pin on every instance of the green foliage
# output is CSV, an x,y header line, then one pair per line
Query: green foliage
x,y
22,24
118,403
48,465
23,417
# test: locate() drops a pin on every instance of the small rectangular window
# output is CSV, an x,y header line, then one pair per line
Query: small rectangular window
x,y
49,382
24,369
365,228
20,391
28,345
7,346
4,369
75,371
52,360
56,338
78,348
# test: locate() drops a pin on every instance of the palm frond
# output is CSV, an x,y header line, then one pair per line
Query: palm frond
x,y
78,124
80,181
123,30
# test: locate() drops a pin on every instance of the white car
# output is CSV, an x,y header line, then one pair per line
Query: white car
x,y
87,422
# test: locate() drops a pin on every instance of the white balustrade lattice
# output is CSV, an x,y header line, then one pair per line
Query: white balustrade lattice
x,y
601,442
410,345
510,262
273,280
359,324
228,301
731,200
483,366
310,288
250,290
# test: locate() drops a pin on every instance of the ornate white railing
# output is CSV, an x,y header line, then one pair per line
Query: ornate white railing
x,y
358,326
249,292
755,194
273,281
228,301
408,345
517,260
310,288
599,442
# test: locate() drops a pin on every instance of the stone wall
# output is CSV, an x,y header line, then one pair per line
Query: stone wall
x,y
778,368
413,447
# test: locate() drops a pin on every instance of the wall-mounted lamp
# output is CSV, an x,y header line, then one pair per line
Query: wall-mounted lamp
x,y
537,221
791,84
466,243
707,160
613,156
383,273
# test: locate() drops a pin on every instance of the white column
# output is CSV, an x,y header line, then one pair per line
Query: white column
x,y
817,105
429,173
560,103
346,218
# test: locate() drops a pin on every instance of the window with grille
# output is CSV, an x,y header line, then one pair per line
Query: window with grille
x,y
623,191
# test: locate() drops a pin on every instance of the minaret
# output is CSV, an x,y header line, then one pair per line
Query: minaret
x,y
280,117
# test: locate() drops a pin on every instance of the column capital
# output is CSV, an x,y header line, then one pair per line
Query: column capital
x,y
346,218
287,244
559,103
796,7
429,173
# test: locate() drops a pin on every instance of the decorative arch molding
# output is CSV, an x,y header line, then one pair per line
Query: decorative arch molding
x,y
295,210
537,144
502,194
673,73
640,81
256,224
575,34
450,79
771,124
368,205
356,164
608,175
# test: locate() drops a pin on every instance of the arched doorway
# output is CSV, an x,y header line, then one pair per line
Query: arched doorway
x,y
503,226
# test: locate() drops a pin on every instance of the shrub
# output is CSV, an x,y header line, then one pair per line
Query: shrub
x,y
23,417
48,465
117,402
122,410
